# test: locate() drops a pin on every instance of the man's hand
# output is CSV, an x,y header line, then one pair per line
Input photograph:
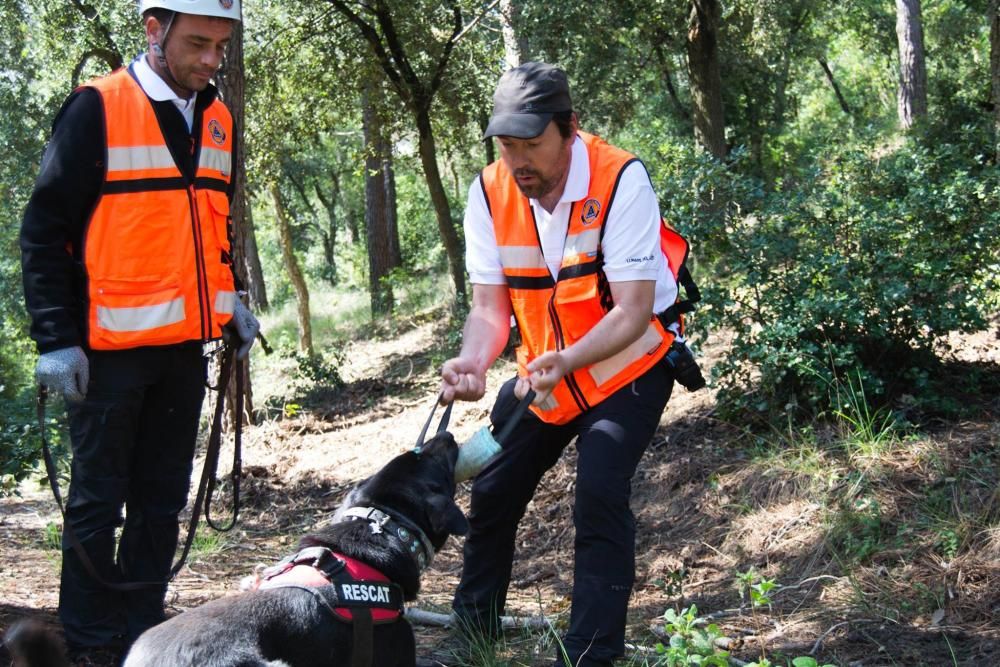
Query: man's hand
x,y
66,371
244,325
544,373
463,380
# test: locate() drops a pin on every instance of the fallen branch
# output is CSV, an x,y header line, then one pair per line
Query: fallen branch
x,y
819,642
421,617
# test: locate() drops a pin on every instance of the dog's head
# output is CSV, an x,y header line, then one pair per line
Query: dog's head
x,y
418,485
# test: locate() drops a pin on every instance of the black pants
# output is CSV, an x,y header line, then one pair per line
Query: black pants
x,y
133,441
612,437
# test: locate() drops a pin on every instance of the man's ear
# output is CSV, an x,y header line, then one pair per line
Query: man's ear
x,y
446,517
153,30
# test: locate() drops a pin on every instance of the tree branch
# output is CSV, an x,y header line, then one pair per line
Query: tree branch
x,y
417,94
449,46
473,22
91,15
370,35
682,111
836,88
110,57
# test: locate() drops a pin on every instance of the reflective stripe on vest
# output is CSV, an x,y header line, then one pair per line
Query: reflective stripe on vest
x,y
552,315
156,249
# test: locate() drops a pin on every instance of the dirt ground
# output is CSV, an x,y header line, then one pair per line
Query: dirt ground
x,y
703,515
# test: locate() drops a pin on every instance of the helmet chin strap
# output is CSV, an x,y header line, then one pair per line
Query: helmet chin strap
x,y
161,55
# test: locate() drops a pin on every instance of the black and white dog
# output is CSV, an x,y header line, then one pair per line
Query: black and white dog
x,y
338,600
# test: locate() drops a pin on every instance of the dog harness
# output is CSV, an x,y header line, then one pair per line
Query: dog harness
x,y
356,585
352,591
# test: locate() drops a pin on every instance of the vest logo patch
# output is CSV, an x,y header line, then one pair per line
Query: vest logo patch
x,y
226,4
591,211
364,593
216,132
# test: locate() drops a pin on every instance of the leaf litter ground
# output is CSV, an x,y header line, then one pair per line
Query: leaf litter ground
x,y
706,510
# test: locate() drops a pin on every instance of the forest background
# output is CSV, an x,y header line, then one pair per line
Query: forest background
x,y
833,164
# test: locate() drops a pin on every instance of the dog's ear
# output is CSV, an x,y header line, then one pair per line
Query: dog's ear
x,y
446,517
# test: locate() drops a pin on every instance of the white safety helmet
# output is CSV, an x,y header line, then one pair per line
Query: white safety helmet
x,y
223,9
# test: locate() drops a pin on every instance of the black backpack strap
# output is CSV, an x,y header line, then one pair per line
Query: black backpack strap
x,y
674,312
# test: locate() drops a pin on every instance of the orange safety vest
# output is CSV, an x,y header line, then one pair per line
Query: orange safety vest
x,y
156,249
552,315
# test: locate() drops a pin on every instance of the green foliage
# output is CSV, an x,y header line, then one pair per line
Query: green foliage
x,y
857,529
673,584
320,370
692,640
19,444
53,536
870,431
758,589
207,543
858,266
806,661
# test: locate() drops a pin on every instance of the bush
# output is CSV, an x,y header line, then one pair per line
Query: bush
x,y
19,444
858,267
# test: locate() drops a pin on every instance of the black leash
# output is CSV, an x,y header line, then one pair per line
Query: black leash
x,y
442,425
206,486
515,418
237,470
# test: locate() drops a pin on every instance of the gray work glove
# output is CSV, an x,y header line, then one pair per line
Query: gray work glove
x,y
244,325
66,371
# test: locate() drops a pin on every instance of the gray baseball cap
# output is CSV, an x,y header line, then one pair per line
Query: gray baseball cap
x,y
525,100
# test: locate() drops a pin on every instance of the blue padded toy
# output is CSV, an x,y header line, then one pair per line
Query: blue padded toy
x,y
475,454
484,445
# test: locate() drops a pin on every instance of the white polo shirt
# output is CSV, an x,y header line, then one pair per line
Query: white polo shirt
x,y
158,90
631,243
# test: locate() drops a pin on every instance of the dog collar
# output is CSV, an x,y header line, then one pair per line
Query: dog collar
x,y
413,539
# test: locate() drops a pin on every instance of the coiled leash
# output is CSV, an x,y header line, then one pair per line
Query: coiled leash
x,y
206,485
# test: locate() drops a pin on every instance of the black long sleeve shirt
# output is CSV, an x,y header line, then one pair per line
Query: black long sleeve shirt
x,y
66,193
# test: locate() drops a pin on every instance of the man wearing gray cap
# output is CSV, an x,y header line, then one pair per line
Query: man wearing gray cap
x,y
563,233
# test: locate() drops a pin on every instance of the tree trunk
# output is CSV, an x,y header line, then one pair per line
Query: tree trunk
x,y
452,244
912,97
681,110
243,244
330,237
376,211
294,272
245,255
391,209
995,71
833,84
705,77
484,121
418,95
795,28
515,47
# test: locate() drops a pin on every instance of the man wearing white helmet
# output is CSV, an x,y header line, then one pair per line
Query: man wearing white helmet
x,y
126,261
